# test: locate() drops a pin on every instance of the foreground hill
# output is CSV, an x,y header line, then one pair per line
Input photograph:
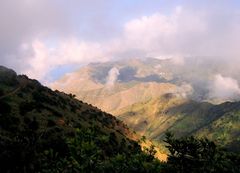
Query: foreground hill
x,y
49,131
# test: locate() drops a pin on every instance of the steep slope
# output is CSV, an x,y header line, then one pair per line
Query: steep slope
x,y
184,118
46,131
28,98
225,130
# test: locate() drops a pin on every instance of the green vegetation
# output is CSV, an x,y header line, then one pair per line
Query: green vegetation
x,y
91,152
189,154
219,123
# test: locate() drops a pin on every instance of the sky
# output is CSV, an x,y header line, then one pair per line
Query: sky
x,y
45,39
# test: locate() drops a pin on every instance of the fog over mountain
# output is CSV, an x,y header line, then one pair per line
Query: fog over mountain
x,y
211,77
117,84
112,76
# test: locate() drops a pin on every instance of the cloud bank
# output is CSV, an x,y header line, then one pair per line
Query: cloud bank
x,y
225,88
38,36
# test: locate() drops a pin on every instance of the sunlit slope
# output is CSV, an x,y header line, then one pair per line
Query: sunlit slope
x,y
225,129
110,101
124,80
220,123
136,81
77,81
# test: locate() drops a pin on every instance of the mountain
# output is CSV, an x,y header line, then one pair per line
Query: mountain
x,y
115,85
126,82
49,131
189,96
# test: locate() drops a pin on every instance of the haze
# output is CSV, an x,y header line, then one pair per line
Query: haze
x,y
45,39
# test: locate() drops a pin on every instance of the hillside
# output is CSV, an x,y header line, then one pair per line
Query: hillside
x,y
154,118
49,131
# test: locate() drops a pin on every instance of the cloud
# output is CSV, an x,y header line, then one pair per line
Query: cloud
x,y
225,88
185,90
184,32
47,34
24,21
178,60
44,59
112,77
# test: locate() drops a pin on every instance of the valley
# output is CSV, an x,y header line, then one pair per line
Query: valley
x,y
154,96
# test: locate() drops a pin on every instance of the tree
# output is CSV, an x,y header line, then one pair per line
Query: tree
x,y
190,154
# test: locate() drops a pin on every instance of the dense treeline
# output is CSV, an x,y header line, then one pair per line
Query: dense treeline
x,y
90,150
189,154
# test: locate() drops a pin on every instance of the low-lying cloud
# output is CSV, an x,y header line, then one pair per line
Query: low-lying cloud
x,y
112,77
185,91
225,88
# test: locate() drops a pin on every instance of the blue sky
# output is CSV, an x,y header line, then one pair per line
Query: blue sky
x,y
114,14
58,36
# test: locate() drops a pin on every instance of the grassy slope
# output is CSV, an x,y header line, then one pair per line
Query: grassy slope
x,y
153,118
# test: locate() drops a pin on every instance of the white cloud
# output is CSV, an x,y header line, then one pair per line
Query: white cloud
x,y
38,63
225,88
43,59
178,60
160,34
185,90
29,36
112,77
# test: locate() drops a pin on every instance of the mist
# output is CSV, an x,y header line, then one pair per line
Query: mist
x,y
112,77
201,38
224,88
212,78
